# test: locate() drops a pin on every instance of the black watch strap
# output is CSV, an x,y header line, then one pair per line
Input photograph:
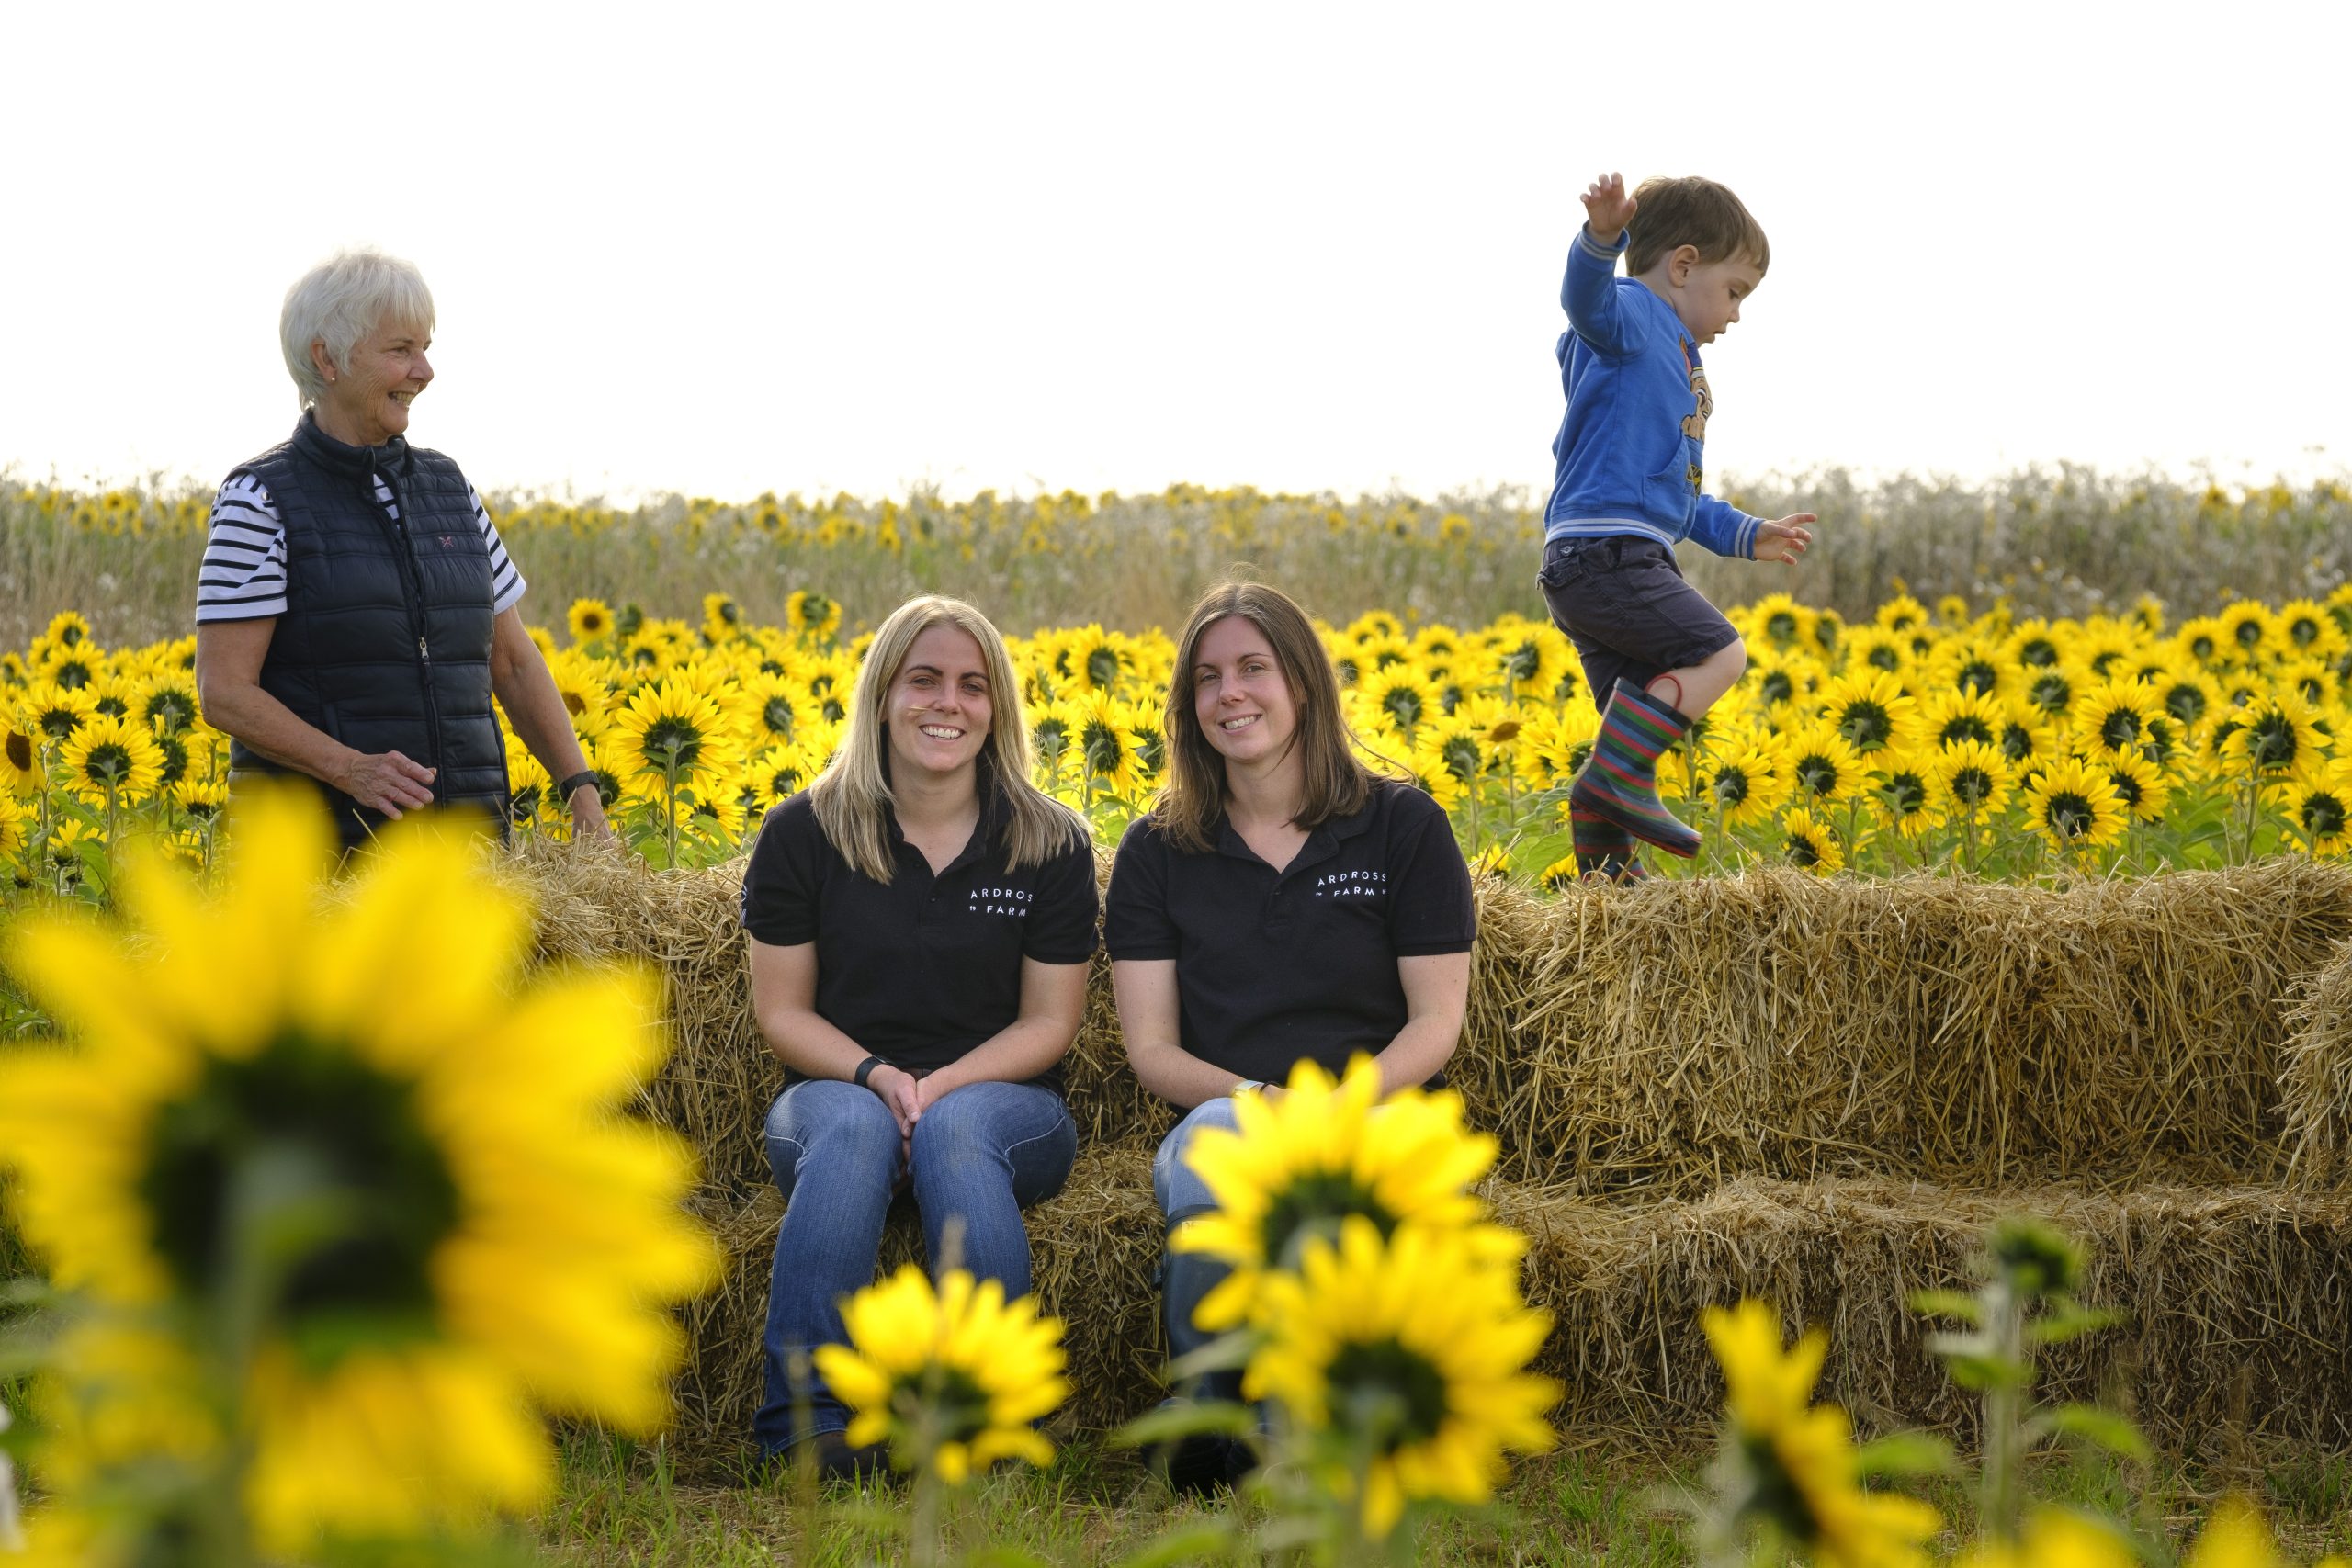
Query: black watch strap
x,y
865,1070
575,784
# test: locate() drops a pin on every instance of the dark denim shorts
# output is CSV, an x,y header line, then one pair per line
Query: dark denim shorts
x,y
1623,600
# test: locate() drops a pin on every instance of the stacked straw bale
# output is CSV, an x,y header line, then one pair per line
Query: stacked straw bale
x,y
1816,1092
2316,1082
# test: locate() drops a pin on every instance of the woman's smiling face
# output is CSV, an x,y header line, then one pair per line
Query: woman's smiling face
x,y
1240,695
939,705
367,402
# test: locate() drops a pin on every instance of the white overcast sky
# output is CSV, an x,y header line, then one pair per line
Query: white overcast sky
x,y
862,246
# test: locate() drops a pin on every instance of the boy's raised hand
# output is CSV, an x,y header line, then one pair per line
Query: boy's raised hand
x,y
1607,209
1785,540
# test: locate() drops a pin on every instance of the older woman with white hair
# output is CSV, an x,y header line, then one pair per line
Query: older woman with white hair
x,y
356,611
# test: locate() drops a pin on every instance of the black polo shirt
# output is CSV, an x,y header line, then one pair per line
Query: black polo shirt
x,y
1272,968
921,969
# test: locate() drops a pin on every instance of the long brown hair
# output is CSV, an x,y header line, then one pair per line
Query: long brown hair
x,y
852,797
1336,783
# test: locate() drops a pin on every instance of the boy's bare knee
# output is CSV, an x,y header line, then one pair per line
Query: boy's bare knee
x,y
1732,660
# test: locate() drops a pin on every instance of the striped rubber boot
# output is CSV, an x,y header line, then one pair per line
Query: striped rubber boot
x,y
1603,849
1619,781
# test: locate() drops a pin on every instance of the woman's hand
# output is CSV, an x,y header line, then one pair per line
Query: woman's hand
x,y
588,824
386,781
901,1092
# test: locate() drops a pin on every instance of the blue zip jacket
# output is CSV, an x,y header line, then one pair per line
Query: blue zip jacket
x,y
1629,455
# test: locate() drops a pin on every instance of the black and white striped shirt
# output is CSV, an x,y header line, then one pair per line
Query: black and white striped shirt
x,y
243,575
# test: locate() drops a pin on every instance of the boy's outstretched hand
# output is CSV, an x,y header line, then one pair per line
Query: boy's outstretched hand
x,y
1784,541
1607,209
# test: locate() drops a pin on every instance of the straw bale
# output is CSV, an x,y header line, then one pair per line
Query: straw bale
x,y
2241,1314
2316,1081
2240,1318
1674,1035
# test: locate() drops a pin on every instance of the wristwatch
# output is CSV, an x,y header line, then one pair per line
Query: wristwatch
x,y
866,1070
575,784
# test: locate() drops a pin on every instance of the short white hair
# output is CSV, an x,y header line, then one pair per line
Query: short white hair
x,y
339,302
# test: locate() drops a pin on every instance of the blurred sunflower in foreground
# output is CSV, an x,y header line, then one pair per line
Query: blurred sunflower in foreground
x,y
1790,1467
341,1201
952,1380
1300,1163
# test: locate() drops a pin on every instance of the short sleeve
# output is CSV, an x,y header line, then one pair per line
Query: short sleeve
x,y
1429,907
1060,927
506,582
1136,921
781,884
242,577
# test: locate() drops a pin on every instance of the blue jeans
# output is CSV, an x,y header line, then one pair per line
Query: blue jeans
x,y
981,1155
1186,1277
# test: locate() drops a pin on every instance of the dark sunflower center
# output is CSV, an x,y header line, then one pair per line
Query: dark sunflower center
x,y
1732,786
20,751
1907,794
777,716
1102,667
1311,1208
2304,632
114,706
106,765
174,760
2037,650
72,675
1777,1495
2201,645
2249,634
1778,686
173,707
1461,757
2016,742
59,723
2069,814
1524,661
1803,852
2323,815
2120,729
1972,786
1404,705
2050,692
1817,773
1104,750
675,742
1152,747
336,1131
1885,657
1967,727
2128,788
958,1403
1390,1391
1782,626
1866,725
1978,677
2271,742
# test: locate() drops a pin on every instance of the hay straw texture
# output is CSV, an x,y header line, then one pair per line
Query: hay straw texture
x,y
1815,1091
2316,1082
2239,1314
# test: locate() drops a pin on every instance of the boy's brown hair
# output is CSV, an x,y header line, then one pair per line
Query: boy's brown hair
x,y
1687,211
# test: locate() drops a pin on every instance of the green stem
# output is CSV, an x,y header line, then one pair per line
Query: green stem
x,y
2003,1414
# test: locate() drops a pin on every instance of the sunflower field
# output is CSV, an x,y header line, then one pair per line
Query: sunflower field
x,y
1937,736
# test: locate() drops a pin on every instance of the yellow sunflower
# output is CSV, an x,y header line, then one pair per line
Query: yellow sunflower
x,y
2273,734
1956,715
498,1234
2074,804
168,702
2145,788
952,1379
2235,1537
1400,695
109,756
1299,1163
1972,780
2115,716
2317,805
21,767
812,617
1809,845
1749,785
1414,1350
2246,632
722,618
1778,621
1823,764
1531,659
2054,1537
1106,753
671,730
1905,797
50,711
1800,1457
590,620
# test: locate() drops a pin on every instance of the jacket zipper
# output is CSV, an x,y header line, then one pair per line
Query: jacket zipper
x,y
405,549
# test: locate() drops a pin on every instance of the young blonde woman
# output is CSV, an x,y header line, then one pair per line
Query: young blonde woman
x,y
1280,903
919,919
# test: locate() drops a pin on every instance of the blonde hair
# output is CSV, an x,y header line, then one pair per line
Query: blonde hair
x,y
852,797
339,302
1336,781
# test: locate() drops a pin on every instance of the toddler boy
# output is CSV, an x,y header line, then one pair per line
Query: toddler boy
x,y
1626,490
